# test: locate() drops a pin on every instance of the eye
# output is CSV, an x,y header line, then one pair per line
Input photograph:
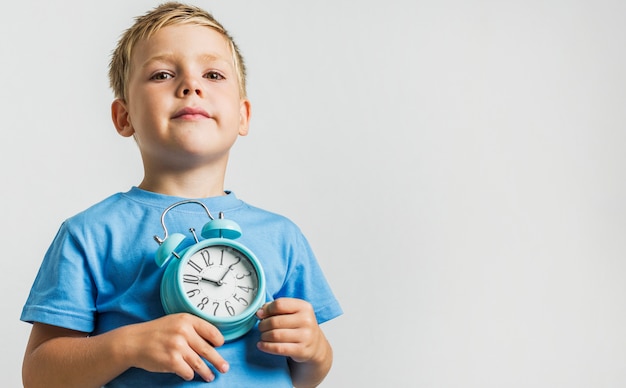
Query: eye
x,y
214,75
161,76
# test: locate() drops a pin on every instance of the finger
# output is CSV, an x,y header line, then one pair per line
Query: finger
x,y
278,348
284,335
283,306
279,322
208,332
210,354
204,345
197,365
297,344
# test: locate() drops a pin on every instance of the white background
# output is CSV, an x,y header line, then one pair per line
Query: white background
x,y
458,167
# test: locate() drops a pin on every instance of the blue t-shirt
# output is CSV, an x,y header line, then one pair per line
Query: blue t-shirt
x,y
99,274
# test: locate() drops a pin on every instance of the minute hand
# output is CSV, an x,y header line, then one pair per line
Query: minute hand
x,y
221,281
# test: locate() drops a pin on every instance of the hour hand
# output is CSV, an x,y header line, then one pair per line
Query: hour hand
x,y
216,282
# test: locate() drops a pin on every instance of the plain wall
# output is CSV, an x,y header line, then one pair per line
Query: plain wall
x,y
458,167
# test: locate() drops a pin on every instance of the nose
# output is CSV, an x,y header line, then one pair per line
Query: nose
x,y
187,91
189,86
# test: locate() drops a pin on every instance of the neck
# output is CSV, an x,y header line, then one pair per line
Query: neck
x,y
199,183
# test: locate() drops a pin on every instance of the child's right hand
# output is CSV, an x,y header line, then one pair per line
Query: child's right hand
x,y
176,344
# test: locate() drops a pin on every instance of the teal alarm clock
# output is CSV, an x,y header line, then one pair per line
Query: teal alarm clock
x,y
217,278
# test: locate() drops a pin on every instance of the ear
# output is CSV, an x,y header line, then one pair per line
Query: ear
x,y
121,120
244,117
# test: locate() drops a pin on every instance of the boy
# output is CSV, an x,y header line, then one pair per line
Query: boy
x,y
179,83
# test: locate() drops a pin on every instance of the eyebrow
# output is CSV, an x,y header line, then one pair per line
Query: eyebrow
x,y
172,58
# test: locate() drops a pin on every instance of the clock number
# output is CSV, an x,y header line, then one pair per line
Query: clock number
x,y
246,289
207,257
194,266
235,263
241,300
203,303
194,292
189,278
229,308
240,276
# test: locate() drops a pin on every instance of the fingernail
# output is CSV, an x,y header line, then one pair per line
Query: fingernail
x,y
225,367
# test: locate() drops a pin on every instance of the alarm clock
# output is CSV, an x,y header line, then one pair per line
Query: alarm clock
x,y
217,279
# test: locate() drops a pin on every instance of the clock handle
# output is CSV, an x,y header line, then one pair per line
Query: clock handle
x,y
168,244
206,209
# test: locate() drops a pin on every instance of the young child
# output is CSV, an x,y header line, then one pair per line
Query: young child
x,y
179,82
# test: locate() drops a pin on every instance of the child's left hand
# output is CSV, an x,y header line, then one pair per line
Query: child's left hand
x,y
289,328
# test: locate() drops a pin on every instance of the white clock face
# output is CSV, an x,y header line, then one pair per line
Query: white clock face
x,y
220,281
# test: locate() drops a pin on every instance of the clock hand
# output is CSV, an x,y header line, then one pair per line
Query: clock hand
x,y
216,282
220,282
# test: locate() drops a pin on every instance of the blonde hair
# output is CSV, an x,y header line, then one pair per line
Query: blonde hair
x,y
145,26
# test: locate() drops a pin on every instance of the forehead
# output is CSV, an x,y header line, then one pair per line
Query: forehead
x,y
182,42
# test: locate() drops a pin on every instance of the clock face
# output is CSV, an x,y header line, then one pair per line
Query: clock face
x,y
220,281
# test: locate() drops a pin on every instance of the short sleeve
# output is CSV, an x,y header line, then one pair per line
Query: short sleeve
x,y
63,293
305,280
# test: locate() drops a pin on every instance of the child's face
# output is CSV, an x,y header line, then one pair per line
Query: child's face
x,y
183,105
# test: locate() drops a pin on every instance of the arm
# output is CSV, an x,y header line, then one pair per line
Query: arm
x,y
58,357
289,328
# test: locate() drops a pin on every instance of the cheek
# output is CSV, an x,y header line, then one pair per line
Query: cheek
x,y
234,113
143,111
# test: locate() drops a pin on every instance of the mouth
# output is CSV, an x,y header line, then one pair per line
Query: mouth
x,y
190,113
